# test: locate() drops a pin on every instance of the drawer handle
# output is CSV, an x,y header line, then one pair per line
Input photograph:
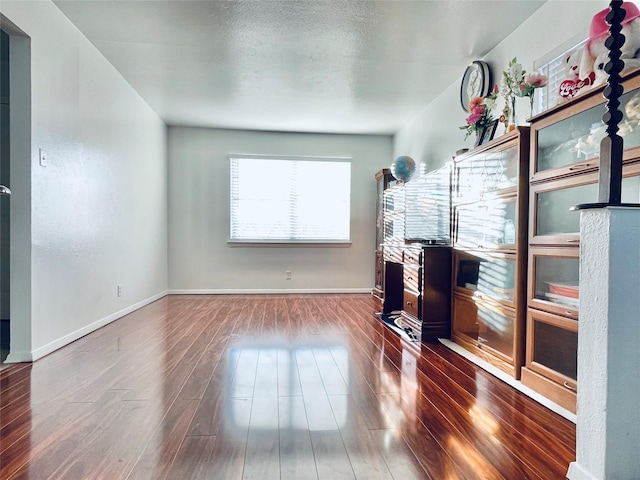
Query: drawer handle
x,y
409,278
570,313
574,240
569,387
580,166
409,303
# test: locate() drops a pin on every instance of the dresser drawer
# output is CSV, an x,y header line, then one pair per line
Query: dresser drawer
x,y
411,303
392,254
413,256
411,278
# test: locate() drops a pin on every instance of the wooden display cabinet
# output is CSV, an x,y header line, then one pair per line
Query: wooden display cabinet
x,y
565,160
490,208
383,180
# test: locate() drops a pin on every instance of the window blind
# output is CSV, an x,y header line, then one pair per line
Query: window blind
x,y
556,73
290,200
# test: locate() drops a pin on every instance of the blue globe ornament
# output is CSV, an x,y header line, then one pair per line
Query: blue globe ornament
x,y
403,168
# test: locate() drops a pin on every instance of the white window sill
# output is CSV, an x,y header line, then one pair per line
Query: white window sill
x,y
290,243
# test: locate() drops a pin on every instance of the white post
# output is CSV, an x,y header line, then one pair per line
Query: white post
x,y
608,416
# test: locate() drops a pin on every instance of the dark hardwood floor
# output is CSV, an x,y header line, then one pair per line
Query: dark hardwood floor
x,y
268,387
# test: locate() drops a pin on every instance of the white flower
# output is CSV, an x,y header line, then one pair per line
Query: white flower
x,y
515,71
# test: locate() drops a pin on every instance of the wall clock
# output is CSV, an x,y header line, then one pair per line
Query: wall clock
x,y
476,82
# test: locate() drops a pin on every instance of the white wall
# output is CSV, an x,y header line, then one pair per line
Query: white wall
x,y
99,209
200,258
433,136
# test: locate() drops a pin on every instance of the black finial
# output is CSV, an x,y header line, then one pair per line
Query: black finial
x,y
611,146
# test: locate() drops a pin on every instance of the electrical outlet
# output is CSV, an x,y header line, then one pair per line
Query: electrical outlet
x,y
287,275
43,158
119,290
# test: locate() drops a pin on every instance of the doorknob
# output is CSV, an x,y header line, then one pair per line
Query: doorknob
x,y
4,190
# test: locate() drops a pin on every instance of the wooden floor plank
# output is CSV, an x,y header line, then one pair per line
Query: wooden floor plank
x,y
332,459
297,461
160,451
269,386
193,458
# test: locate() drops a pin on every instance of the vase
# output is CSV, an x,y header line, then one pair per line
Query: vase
x,y
478,138
513,122
531,100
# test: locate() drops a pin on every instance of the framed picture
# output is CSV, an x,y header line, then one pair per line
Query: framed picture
x,y
488,132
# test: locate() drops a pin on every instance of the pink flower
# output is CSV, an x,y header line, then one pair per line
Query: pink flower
x,y
536,80
473,118
474,102
478,109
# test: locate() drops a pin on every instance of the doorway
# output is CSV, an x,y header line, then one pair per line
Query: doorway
x,y
15,163
5,220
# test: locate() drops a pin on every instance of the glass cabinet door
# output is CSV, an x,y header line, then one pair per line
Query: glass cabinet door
x,y
486,324
490,276
496,328
554,280
491,224
394,199
393,214
501,170
468,188
553,222
554,351
485,173
574,143
393,228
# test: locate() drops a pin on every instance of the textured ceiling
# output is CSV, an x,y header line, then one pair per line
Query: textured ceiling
x,y
293,65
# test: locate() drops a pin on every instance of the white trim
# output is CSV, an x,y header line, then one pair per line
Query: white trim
x,y
576,472
263,291
496,372
288,157
67,339
18,357
290,243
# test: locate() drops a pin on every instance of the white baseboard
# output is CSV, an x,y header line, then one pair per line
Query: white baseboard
x,y
18,357
263,291
576,472
67,339
496,372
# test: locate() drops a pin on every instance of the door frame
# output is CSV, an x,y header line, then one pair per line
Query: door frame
x,y
20,164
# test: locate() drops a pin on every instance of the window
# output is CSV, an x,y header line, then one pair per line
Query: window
x,y
290,200
555,70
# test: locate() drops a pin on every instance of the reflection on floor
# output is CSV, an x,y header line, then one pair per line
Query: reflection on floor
x,y
269,387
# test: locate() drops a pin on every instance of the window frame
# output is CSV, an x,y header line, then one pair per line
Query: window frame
x,y
289,242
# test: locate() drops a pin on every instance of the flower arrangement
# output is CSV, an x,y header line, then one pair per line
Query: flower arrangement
x,y
512,77
480,113
528,87
516,83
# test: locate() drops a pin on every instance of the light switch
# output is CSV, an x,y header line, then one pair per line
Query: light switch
x,y
43,158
